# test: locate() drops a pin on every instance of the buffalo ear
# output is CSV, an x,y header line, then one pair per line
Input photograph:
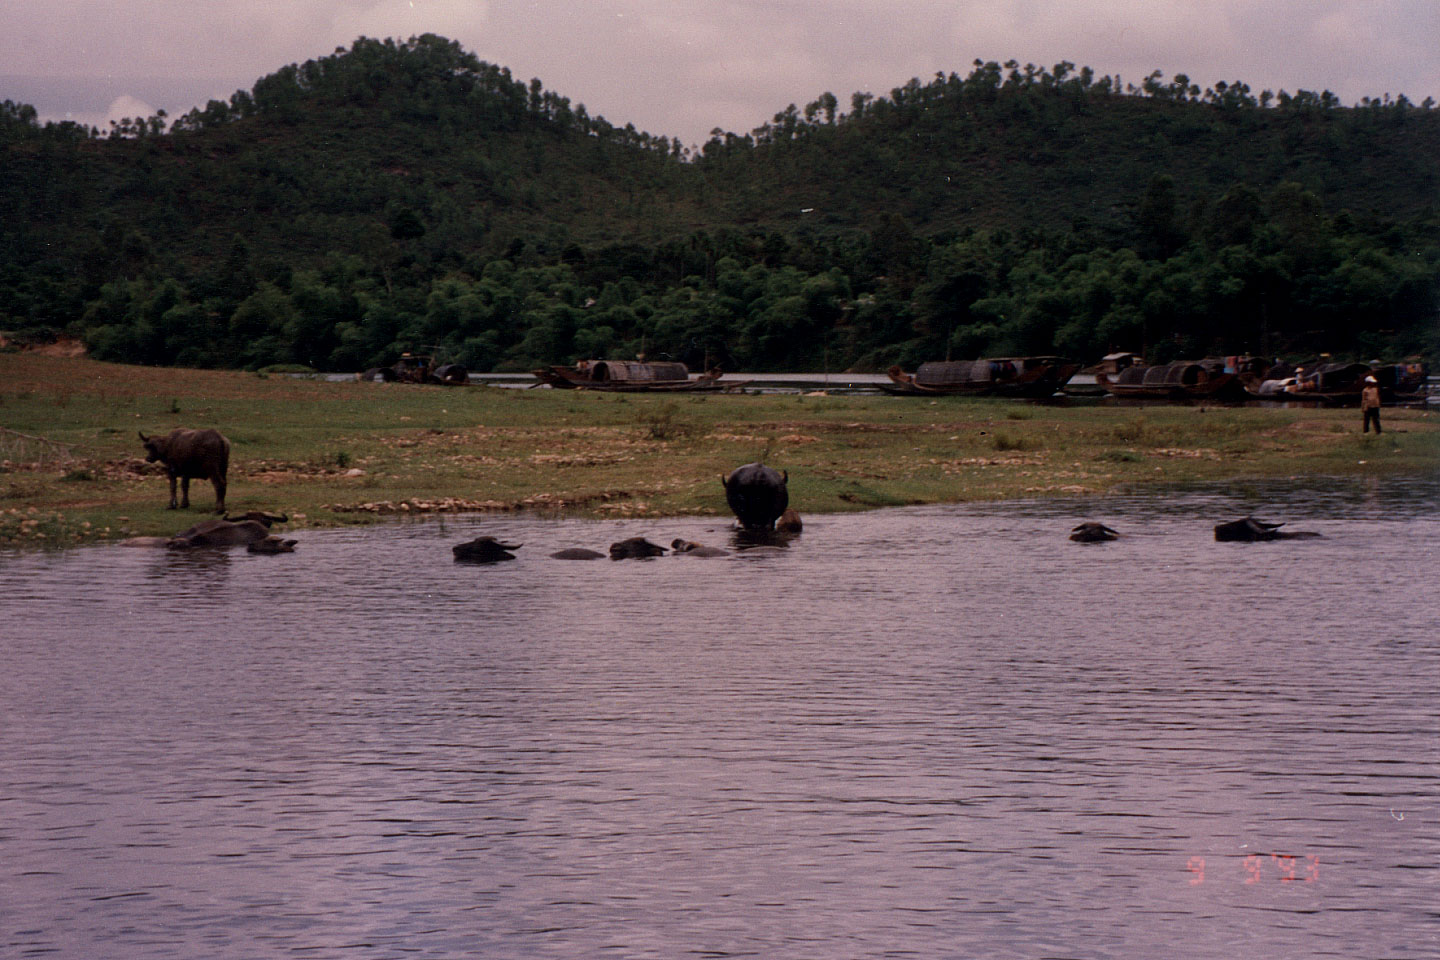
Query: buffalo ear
x,y
143,438
725,480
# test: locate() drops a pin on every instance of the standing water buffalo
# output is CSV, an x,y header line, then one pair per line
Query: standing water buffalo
x,y
757,494
191,454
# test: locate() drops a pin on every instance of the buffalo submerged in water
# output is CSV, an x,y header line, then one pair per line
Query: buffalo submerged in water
x,y
1092,532
757,494
245,530
1254,530
635,548
484,550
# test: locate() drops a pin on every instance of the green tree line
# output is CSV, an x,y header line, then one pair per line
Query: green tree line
x,y
407,196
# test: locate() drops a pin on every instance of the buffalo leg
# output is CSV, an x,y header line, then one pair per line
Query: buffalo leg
x,y
185,493
219,484
172,492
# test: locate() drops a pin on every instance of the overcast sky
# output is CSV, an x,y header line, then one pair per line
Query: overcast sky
x,y
681,67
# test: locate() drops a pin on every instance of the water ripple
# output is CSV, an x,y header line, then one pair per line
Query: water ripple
x,y
941,731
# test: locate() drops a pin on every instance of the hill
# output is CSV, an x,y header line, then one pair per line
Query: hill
x,y
399,195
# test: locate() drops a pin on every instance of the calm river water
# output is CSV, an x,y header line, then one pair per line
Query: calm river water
x,y
934,732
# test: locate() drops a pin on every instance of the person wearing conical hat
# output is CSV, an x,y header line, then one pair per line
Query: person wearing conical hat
x,y
1370,405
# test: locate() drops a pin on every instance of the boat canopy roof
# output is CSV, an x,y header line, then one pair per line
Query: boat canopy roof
x,y
633,371
941,373
1340,376
1182,373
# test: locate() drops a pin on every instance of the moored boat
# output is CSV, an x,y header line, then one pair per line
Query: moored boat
x,y
418,368
1339,384
1037,377
1113,363
1403,382
631,376
1207,379
1335,384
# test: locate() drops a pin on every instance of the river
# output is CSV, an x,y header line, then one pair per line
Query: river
x,y
927,732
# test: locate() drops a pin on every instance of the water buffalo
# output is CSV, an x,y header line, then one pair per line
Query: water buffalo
x,y
692,549
229,532
220,533
259,516
757,494
1092,532
635,547
484,550
577,553
1252,530
272,544
191,454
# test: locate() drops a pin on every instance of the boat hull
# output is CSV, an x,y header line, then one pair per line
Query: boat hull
x,y
1223,387
1035,378
569,378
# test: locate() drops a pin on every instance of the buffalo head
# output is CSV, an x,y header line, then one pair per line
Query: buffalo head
x,y
484,550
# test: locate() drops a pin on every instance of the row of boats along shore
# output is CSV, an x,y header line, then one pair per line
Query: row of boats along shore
x,y
1213,379
1217,379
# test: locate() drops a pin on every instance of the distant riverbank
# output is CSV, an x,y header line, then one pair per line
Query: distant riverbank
x,y
332,453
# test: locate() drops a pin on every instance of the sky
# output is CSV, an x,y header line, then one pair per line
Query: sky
x,y
680,68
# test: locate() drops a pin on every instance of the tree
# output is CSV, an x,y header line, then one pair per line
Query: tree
x,y
1235,216
1160,235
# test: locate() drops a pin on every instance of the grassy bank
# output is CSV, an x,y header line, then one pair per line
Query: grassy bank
x,y
71,466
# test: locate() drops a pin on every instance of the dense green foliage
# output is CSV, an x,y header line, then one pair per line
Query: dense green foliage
x,y
401,196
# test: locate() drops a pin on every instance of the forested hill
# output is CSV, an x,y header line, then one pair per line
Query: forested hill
x,y
409,196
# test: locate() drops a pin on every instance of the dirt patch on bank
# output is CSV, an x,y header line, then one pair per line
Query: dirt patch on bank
x,y
59,347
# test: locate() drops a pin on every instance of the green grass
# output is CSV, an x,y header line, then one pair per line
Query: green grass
x,y
71,467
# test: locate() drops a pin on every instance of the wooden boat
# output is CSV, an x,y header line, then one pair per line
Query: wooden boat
x,y
1403,382
418,368
1339,384
1333,384
632,377
1182,380
1113,363
997,376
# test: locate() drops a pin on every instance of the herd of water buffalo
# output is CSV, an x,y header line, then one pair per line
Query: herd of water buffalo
x,y
758,496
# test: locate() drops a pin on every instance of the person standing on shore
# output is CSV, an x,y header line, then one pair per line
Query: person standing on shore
x,y
1370,405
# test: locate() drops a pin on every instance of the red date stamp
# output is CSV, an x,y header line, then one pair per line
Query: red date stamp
x,y
1257,868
